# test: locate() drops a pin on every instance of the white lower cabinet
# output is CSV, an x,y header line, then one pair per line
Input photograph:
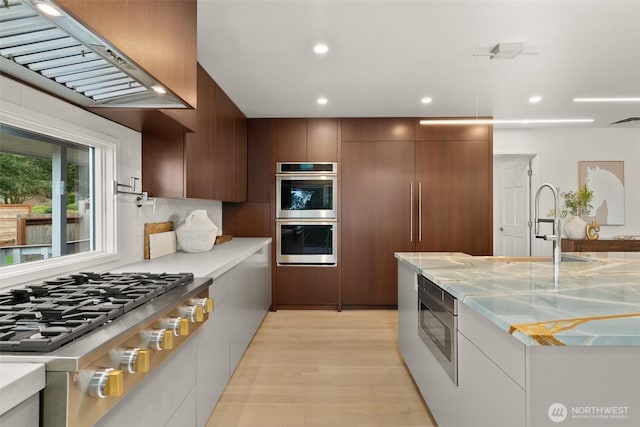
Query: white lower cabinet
x,y
242,297
212,362
488,397
437,389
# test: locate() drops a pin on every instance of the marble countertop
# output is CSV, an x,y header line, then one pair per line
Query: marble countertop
x,y
593,300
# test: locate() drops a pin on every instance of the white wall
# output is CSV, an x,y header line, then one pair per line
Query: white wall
x,y
557,152
130,218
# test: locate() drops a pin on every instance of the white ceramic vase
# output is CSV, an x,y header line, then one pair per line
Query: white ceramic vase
x,y
575,228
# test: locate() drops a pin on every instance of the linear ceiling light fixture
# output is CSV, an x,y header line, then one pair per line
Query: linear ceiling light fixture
x,y
628,99
500,121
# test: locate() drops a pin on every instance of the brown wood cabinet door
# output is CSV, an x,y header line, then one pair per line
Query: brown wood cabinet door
x,y
322,140
456,203
291,140
378,129
231,150
376,218
260,158
200,148
163,162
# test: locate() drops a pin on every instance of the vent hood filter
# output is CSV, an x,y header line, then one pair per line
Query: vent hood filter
x,y
62,57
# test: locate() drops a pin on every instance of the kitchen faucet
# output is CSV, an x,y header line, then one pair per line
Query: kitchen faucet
x,y
556,237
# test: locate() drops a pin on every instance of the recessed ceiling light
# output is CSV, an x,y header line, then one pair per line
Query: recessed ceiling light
x,y
159,89
535,99
426,100
48,9
606,99
500,121
321,48
322,101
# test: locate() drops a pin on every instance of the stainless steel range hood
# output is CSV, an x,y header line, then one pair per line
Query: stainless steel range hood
x,y
62,57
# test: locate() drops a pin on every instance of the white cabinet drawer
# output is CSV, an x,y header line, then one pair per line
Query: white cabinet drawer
x,y
503,349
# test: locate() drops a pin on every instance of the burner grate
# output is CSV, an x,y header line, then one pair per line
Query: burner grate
x,y
42,317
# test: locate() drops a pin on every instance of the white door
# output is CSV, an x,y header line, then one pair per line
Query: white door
x,y
512,199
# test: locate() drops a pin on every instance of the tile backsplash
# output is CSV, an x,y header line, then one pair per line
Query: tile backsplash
x,y
131,220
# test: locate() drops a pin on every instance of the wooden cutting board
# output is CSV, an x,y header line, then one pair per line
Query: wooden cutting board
x,y
153,228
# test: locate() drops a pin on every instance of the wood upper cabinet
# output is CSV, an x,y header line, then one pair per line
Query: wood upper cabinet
x,y
306,140
230,161
378,129
163,160
200,146
214,156
322,140
159,36
291,140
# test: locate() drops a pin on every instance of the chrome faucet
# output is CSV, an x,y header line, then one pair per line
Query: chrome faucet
x,y
556,237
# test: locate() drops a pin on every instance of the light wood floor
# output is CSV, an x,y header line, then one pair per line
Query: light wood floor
x,y
323,368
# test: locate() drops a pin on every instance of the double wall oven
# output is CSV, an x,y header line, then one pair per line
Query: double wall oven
x,y
306,213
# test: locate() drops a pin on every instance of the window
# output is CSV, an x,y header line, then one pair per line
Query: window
x,y
46,189
68,188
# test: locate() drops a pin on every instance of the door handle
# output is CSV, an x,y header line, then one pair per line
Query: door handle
x,y
420,212
501,228
411,212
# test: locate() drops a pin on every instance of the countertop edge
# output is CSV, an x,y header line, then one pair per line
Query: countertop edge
x,y
18,382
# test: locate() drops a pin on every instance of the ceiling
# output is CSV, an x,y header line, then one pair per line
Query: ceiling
x,y
385,56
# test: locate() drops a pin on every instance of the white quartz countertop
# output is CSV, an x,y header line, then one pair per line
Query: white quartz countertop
x,y
593,300
18,382
213,263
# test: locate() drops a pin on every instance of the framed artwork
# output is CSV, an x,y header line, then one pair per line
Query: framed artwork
x,y
606,180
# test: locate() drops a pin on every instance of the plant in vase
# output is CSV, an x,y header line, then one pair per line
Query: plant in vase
x,y
574,205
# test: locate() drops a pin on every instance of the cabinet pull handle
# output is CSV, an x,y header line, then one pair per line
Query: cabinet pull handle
x,y
411,212
420,212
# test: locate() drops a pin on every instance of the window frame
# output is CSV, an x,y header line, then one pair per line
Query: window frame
x,y
105,226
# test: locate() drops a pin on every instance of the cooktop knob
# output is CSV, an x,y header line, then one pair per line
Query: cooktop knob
x,y
106,382
205,303
195,313
135,360
179,326
161,339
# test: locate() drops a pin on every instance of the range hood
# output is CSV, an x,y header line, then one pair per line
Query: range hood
x,y
62,57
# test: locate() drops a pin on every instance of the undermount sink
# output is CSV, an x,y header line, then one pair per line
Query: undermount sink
x,y
529,259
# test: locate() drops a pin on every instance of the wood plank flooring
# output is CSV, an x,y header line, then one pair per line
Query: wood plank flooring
x,y
323,368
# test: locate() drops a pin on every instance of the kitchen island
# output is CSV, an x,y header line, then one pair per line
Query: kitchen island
x,y
533,348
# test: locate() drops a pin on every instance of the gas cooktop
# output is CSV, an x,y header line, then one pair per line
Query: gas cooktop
x,y
42,317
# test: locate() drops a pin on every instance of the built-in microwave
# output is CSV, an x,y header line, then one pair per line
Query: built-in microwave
x,y
438,324
306,242
306,190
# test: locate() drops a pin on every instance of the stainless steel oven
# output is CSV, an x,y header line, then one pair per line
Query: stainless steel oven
x,y
306,190
306,242
438,324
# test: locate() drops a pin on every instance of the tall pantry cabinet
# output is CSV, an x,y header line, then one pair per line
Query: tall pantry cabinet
x,y
376,174
408,187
